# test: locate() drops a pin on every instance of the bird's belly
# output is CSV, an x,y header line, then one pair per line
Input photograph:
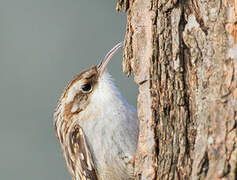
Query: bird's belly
x,y
110,154
111,161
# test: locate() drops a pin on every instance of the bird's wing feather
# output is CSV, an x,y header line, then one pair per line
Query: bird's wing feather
x,y
81,163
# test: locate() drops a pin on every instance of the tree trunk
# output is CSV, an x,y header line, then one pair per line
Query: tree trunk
x,y
183,55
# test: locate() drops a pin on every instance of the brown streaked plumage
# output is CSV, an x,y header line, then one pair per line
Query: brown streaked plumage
x,y
76,147
95,126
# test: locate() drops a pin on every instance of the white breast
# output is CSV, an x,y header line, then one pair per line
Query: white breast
x,y
111,130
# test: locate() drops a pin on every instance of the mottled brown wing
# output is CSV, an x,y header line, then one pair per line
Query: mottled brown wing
x,y
82,164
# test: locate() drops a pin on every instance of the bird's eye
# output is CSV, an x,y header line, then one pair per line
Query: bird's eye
x,y
86,87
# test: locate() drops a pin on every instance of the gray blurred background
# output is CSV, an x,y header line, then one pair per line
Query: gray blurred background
x,y
43,44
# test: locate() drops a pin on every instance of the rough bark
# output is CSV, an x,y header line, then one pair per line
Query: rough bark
x,y
183,55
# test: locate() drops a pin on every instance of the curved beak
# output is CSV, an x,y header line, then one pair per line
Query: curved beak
x,y
102,66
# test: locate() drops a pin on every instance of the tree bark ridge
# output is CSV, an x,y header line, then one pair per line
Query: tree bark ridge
x,y
183,55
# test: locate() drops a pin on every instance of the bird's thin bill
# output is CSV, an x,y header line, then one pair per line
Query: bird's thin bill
x,y
108,56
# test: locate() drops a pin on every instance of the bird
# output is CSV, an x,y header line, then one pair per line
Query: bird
x,y
96,127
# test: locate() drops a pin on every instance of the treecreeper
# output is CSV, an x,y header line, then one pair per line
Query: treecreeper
x,y
96,127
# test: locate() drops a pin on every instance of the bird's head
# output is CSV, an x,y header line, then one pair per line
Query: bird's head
x,y
77,94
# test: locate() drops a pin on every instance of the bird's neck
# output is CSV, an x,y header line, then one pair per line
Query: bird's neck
x,y
105,102
106,92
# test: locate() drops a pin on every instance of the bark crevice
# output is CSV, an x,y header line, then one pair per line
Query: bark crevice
x,y
184,62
